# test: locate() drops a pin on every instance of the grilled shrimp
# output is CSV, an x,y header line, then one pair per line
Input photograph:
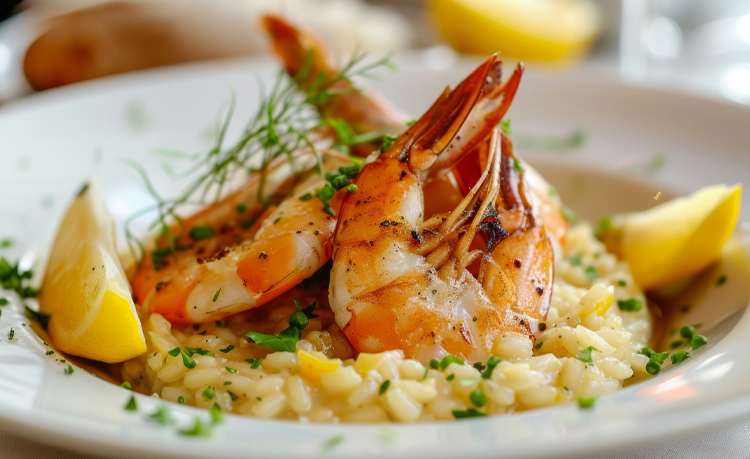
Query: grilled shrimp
x,y
256,252
306,59
400,282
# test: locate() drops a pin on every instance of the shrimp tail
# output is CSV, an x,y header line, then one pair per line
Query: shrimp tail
x,y
303,54
431,134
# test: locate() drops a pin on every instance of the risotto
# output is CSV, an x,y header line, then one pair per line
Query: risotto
x,y
588,347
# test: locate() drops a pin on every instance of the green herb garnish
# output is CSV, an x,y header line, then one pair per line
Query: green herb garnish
x,y
470,413
289,112
227,349
478,398
448,359
187,359
131,405
585,355
384,387
162,415
698,341
12,278
198,430
287,339
679,356
39,317
630,305
208,393
216,416
492,362
586,402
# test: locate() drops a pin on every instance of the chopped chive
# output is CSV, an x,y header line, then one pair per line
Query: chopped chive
x,y
221,323
435,364
126,385
306,197
622,283
630,305
384,387
492,362
187,360
721,280
216,296
687,331
586,402
198,430
575,260
591,272
181,400
245,224
478,398
276,220
479,366
231,370
216,416
3,301
647,351
227,349
679,356
697,341
131,405
585,354
450,377
538,345
653,367
352,188
69,370
241,208
676,344
11,333
448,359
199,232
174,352
227,383
470,413
208,393
426,370
232,395
162,415
49,352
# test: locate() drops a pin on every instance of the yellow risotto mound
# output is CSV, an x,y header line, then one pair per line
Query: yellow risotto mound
x,y
588,349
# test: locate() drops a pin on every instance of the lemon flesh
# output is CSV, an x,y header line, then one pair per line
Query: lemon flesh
x,y
85,289
676,239
542,30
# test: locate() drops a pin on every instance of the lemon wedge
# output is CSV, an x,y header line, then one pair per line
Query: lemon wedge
x,y
85,289
677,238
542,30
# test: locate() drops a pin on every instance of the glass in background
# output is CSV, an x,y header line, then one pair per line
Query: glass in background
x,y
698,45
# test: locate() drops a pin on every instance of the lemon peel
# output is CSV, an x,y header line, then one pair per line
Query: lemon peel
x,y
85,289
542,30
675,239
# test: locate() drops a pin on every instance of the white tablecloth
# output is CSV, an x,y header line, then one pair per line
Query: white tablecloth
x,y
731,442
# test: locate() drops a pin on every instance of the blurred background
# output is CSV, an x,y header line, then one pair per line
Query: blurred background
x,y
695,45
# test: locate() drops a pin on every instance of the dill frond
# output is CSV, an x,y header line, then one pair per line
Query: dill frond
x,y
289,111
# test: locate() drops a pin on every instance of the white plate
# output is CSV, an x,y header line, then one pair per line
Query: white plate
x,y
637,142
